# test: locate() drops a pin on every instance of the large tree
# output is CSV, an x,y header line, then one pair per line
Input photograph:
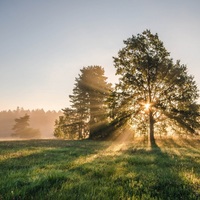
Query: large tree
x,y
89,110
153,92
89,98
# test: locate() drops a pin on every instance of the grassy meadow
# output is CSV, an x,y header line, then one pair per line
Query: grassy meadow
x,y
61,169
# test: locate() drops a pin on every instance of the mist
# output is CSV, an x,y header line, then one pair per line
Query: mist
x,y
39,119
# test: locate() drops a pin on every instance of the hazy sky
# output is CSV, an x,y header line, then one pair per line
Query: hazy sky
x,y
45,43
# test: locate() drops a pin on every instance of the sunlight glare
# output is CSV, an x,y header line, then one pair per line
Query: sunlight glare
x,y
147,106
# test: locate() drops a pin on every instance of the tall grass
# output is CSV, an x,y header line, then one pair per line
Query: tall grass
x,y
58,169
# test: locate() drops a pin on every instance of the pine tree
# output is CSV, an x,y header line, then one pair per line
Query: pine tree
x,y
88,112
89,98
22,129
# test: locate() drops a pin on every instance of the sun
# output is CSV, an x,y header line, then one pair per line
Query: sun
x,y
147,106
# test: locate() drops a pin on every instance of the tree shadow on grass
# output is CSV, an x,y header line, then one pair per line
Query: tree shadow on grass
x,y
136,173
33,168
160,175
68,173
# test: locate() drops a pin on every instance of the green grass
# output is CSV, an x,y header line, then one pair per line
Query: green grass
x,y
59,169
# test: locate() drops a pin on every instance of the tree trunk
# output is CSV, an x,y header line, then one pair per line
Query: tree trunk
x,y
151,129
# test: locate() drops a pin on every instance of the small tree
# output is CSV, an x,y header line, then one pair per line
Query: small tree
x,y
22,129
153,91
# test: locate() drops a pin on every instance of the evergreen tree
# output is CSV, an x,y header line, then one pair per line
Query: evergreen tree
x,y
153,92
22,129
94,91
89,111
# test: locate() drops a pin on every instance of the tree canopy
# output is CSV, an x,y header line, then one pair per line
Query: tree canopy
x,y
154,93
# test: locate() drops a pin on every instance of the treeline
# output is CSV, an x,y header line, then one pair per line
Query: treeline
x,y
41,120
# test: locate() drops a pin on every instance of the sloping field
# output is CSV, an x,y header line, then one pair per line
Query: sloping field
x,y
60,169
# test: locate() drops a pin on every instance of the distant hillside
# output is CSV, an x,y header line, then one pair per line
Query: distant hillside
x,y
39,119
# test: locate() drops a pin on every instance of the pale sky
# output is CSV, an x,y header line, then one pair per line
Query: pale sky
x,y
45,43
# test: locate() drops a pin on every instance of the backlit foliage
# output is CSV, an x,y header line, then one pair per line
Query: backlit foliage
x,y
148,76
